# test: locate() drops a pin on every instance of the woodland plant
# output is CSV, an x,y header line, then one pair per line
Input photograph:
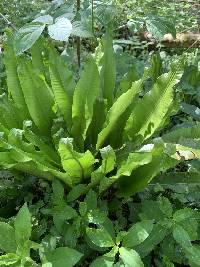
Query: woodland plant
x,y
65,231
93,136
89,131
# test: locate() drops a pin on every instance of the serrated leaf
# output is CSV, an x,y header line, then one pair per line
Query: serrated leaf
x,y
64,256
46,19
137,233
100,237
96,217
91,200
165,206
182,237
7,238
58,192
183,214
102,261
60,30
82,29
159,26
130,257
23,226
156,236
76,192
61,214
27,36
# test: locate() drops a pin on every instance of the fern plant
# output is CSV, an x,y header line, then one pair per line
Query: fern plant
x,y
86,131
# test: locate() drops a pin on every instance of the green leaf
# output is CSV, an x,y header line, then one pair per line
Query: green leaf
x,y
13,83
156,236
134,160
183,214
116,111
129,78
76,192
192,110
46,19
96,217
61,214
27,36
102,261
165,206
137,233
7,238
47,149
156,67
63,256
60,30
158,26
130,257
38,53
172,178
38,97
9,259
77,165
100,237
82,29
10,114
108,70
23,226
62,85
182,237
193,255
152,108
84,98
141,176
109,159
99,116
47,264
151,210
58,192
176,135
91,200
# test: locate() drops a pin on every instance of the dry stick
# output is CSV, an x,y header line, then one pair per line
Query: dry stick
x,y
8,22
78,39
197,40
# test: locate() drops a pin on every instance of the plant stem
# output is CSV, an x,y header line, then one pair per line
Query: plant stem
x,y
93,17
78,39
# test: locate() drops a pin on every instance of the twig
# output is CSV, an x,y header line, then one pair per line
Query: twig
x,y
8,22
197,40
